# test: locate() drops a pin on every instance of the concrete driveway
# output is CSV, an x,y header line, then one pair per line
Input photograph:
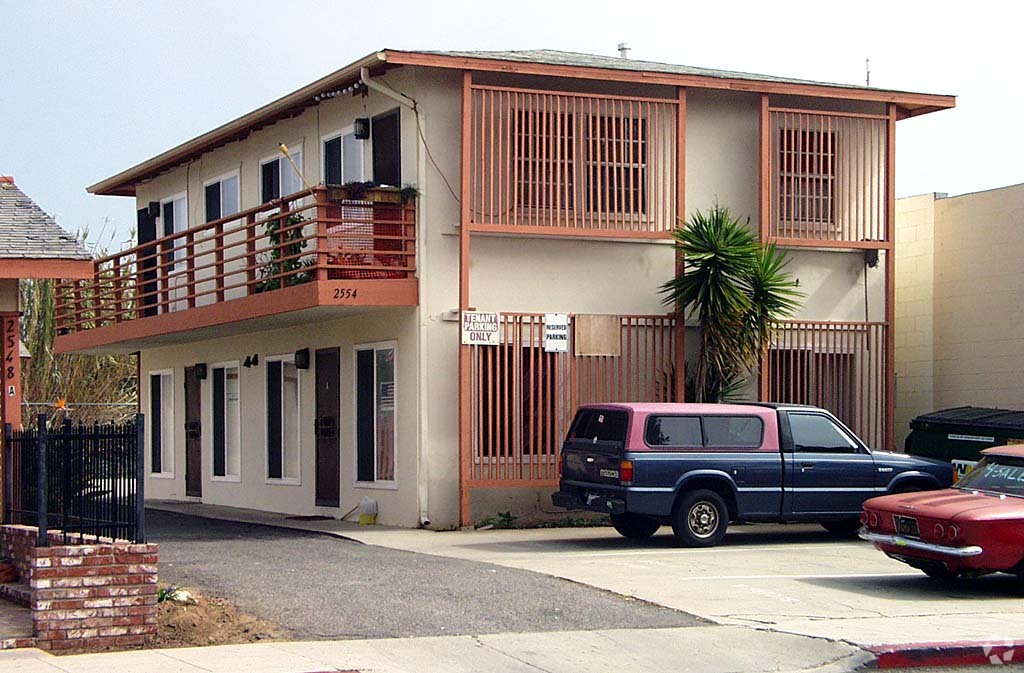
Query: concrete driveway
x,y
794,579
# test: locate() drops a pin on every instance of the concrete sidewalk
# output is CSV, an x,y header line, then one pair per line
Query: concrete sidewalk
x,y
710,649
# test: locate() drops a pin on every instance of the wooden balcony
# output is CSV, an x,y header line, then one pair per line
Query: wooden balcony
x,y
309,256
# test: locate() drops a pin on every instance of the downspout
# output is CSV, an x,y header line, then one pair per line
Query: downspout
x,y
422,475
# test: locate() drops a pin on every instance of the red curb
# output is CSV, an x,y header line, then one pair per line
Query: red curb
x,y
961,653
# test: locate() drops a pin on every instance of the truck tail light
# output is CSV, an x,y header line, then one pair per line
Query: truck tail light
x,y
626,472
561,464
956,474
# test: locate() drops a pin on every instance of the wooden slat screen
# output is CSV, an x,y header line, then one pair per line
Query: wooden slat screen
x,y
572,163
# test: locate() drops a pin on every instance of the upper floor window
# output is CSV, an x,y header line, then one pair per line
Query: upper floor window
x,y
278,177
174,220
221,195
807,175
343,158
593,161
385,132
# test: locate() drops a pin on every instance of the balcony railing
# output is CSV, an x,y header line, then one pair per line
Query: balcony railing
x,y
307,237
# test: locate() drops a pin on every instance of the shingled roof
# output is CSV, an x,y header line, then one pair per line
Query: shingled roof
x,y
26,232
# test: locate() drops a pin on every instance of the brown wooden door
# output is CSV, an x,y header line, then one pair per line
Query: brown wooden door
x,y
193,435
328,448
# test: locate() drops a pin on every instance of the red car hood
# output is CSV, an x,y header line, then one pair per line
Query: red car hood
x,y
949,504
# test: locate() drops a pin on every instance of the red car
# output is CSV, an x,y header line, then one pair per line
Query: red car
x,y
975,527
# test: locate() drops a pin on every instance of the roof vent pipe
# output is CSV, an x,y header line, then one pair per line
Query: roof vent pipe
x,y
623,50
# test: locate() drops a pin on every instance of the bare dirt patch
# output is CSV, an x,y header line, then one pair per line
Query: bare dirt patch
x,y
210,621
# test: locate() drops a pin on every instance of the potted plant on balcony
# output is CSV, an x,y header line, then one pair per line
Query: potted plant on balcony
x,y
371,191
282,265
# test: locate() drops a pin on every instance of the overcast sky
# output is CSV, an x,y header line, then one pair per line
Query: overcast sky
x,y
88,89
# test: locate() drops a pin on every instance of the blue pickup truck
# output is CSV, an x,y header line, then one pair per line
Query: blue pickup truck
x,y
698,467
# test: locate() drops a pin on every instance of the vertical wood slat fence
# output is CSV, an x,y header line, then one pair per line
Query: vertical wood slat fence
x,y
828,178
566,163
840,366
85,480
522,398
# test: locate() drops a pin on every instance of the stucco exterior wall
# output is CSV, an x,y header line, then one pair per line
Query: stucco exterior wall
x,y
971,246
397,505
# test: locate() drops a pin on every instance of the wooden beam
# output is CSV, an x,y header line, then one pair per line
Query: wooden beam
x,y
46,268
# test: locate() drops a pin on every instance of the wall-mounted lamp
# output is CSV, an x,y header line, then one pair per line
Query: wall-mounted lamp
x,y
200,369
302,359
251,360
154,209
361,128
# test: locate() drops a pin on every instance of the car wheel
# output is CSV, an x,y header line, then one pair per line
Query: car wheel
x,y
846,528
700,519
635,526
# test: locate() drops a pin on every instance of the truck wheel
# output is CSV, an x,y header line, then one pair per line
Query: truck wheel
x,y
635,526
700,519
843,527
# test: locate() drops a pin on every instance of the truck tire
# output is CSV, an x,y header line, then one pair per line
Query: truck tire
x,y
700,519
635,526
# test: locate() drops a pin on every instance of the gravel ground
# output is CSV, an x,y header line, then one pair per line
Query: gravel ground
x,y
329,588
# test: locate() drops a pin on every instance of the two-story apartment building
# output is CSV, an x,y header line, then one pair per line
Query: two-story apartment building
x,y
300,343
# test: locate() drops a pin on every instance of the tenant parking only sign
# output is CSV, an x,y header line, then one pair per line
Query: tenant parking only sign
x,y
479,329
556,332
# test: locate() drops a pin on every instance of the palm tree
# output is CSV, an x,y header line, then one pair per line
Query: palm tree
x,y
737,289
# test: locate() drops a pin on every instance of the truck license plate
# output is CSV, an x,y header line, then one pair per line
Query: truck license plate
x,y
614,474
907,525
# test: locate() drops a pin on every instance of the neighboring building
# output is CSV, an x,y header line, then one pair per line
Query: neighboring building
x,y
959,302
303,366
32,245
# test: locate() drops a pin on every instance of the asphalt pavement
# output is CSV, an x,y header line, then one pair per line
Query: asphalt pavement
x,y
324,587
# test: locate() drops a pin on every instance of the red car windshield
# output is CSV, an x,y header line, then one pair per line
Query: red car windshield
x,y
996,474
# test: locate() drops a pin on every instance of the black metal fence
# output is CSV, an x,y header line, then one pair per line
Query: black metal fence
x,y
81,479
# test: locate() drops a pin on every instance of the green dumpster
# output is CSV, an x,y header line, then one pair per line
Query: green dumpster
x,y
959,434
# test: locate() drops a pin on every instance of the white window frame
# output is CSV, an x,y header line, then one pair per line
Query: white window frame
x,y
341,133
179,250
226,477
390,485
166,451
297,479
221,178
282,163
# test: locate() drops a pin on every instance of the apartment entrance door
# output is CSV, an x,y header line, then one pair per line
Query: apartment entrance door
x,y
193,435
325,427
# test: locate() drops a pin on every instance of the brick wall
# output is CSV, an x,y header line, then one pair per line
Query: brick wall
x,y
89,596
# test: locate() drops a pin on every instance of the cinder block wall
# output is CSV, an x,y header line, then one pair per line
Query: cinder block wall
x,y
85,597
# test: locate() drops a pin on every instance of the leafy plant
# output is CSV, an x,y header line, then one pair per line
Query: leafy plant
x,y
737,289
503,520
283,265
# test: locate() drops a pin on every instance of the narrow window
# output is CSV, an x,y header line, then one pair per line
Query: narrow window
x,y
221,197
375,414
283,409
387,149
278,178
343,158
807,161
161,423
174,220
227,460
